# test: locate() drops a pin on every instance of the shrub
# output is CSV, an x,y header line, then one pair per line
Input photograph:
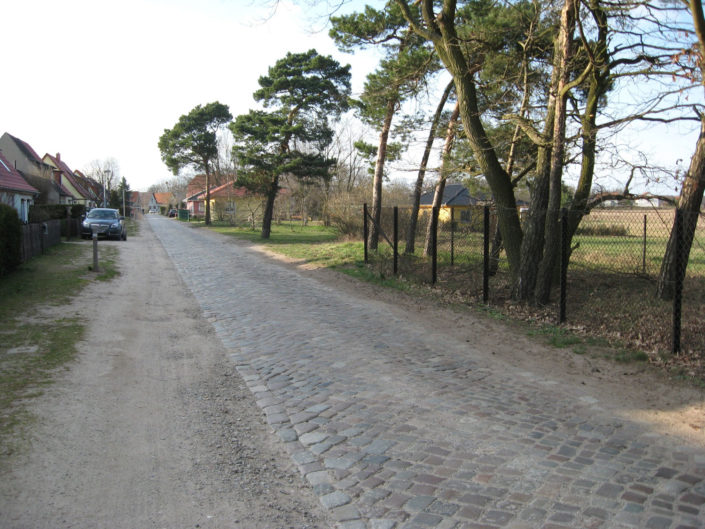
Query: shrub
x,y
10,239
42,213
78,211
613,230
349,225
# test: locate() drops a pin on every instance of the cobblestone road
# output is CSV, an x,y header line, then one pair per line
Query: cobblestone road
x,y
396,426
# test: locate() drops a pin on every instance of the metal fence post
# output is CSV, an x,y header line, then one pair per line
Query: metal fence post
x,y
678,283
364,228
564,265
434,245
396,239
643,251
486,255
452,236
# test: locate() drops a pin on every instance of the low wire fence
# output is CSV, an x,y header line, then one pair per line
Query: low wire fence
x,y
609,281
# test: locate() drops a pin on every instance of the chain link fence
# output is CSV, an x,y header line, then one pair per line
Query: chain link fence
x,y
615,257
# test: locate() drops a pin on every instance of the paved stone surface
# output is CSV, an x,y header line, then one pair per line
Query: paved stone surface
x,y
397,427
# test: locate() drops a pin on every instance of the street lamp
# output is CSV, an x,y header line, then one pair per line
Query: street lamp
x,y
106,171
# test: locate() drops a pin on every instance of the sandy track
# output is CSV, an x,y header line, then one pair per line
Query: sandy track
x,y
151,426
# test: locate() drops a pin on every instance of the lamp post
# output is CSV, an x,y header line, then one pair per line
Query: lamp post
x,y
105,180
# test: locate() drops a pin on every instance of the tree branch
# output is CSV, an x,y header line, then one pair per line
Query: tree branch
x,y
528,128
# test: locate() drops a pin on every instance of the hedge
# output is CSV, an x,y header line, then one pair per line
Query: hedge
x,y
10,239
42,213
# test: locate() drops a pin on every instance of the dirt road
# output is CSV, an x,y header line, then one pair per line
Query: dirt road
x,y
151,426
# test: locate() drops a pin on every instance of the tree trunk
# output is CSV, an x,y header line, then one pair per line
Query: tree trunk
x,y
441,185
533,242
496,250
411,231
545,275
693,186
379,173
496,247
449,48
269,208
599,83
689,203
208,195
496,176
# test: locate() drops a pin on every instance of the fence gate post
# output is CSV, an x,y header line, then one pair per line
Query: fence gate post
x,y
434,245
486,255
678,283
364,228
396,239
564,264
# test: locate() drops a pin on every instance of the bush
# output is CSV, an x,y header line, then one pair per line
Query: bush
x,y
78,211
44,213
10,239
603,230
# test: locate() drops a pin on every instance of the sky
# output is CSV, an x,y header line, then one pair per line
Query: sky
x,y
103,79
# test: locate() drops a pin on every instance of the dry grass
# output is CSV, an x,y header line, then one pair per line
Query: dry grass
x,y
611,286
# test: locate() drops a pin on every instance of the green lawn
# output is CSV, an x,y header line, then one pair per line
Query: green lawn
x,y
284,233
314,244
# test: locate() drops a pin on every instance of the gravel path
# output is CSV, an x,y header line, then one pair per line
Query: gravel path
x,y
151,426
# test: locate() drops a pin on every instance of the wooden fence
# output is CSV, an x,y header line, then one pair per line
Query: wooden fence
x,y
37,237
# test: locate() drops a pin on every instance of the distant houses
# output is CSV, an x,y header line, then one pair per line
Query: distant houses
x,y
226,201
15,191
27,179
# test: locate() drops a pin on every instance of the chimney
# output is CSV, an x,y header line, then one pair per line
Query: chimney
x,y
58,157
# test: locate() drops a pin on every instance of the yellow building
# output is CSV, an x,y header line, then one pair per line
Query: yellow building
x,y
456,203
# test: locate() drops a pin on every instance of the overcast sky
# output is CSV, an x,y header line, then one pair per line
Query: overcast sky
x,y
97,79
94,79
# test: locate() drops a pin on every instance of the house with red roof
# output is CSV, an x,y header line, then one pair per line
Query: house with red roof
x,y
133,200
196,185
38,174
64,176
14,189
162,200
23,157
228,202
94,188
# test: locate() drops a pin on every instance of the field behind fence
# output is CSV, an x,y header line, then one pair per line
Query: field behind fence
x,y
615,260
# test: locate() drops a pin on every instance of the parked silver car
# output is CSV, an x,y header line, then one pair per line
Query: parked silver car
x,y
105,222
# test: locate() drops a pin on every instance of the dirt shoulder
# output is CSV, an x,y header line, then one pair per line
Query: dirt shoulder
x,y
636,391
151,426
